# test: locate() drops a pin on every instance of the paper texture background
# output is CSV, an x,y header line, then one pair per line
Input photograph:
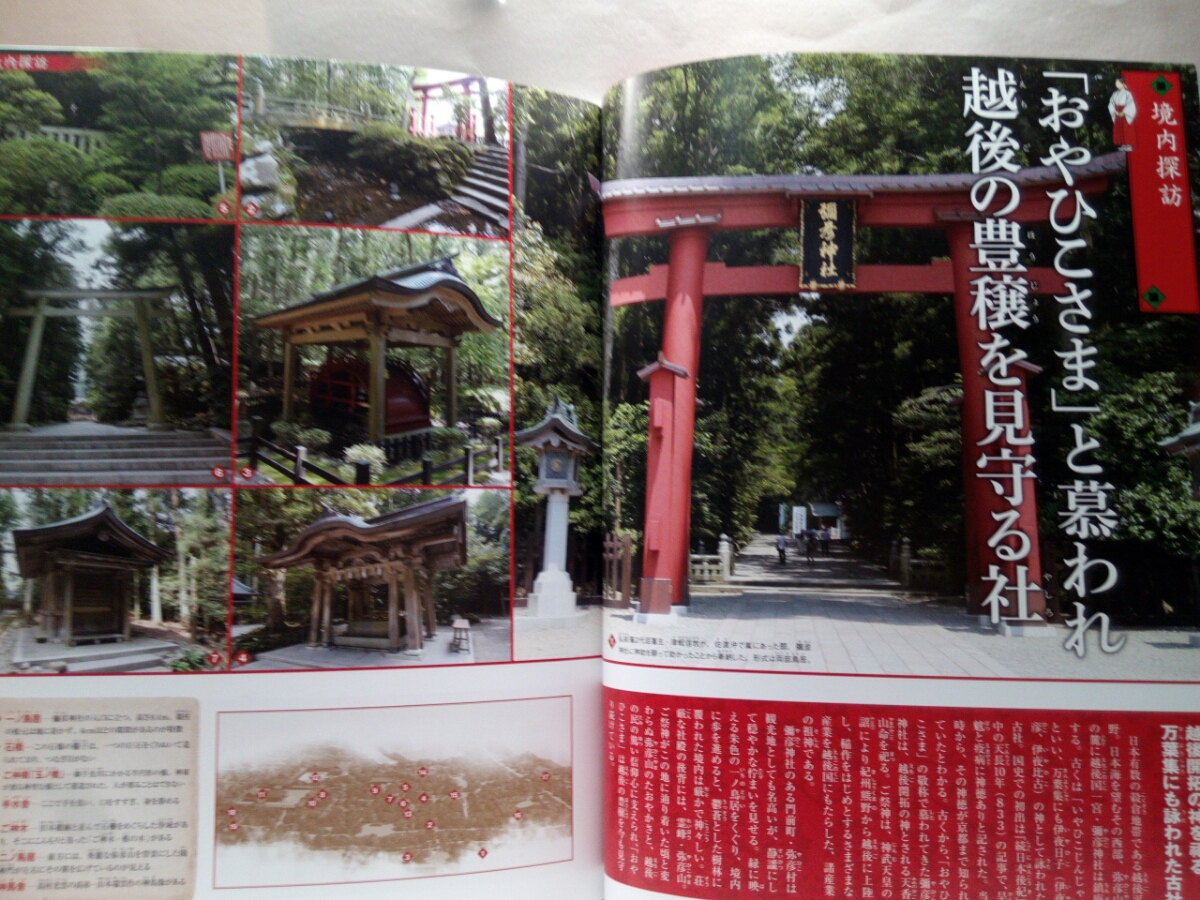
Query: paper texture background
x,y
585,46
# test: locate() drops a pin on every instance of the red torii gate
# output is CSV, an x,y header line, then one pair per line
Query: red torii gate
x,y
688,210
468,83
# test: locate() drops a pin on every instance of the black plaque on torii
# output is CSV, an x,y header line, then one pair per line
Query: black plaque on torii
x,y
827,232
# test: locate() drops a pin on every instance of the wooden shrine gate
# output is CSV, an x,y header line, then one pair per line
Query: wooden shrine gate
x,y
688,210
42,309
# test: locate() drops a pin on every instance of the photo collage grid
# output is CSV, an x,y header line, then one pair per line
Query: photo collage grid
x,y
256,364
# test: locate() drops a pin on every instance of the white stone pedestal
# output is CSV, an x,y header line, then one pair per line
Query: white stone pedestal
x,y
553,595
551,603
552,600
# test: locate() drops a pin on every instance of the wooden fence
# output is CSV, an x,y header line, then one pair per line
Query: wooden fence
x,y
618,571
296,465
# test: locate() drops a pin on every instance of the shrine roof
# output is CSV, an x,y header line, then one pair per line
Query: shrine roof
x,y
849,185
339,539
99,531
559,426
428,297
241,589
1187,441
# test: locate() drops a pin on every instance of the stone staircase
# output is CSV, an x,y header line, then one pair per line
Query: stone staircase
x,y
137,458
484,189
140,654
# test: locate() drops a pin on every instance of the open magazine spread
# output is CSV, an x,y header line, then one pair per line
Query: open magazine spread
x,y
780,481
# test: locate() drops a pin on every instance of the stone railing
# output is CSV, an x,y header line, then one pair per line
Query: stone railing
x,y
709,568
85,140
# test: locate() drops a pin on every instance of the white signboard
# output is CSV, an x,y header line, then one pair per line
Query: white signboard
x,y
799,519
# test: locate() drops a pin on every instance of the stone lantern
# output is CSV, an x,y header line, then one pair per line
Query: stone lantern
x,y
560,444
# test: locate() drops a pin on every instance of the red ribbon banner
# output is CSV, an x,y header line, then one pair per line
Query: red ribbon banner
x,y
26,61
1160,191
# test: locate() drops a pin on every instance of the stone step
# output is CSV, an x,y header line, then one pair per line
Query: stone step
x,y
491,201
31,652
492,164
492,152
371,643
492,188
498,173
131,662
370,628
145,462
142,478
482,209
114,453
11,442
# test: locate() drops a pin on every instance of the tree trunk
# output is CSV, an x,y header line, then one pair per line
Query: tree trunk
x,y
521,164
155,598
202,337
276,601
485,100
185,613
194,596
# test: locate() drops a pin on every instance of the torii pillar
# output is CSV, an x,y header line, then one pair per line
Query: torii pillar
x,y
673,428
980,500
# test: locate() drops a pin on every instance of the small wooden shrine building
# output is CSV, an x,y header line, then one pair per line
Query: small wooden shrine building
x,y
1187,445
422,305
377,560
85,565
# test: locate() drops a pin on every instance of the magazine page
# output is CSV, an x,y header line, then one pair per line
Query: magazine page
x,y
262,539
901,443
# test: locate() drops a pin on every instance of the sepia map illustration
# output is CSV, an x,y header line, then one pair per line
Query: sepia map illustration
x,y
335,796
